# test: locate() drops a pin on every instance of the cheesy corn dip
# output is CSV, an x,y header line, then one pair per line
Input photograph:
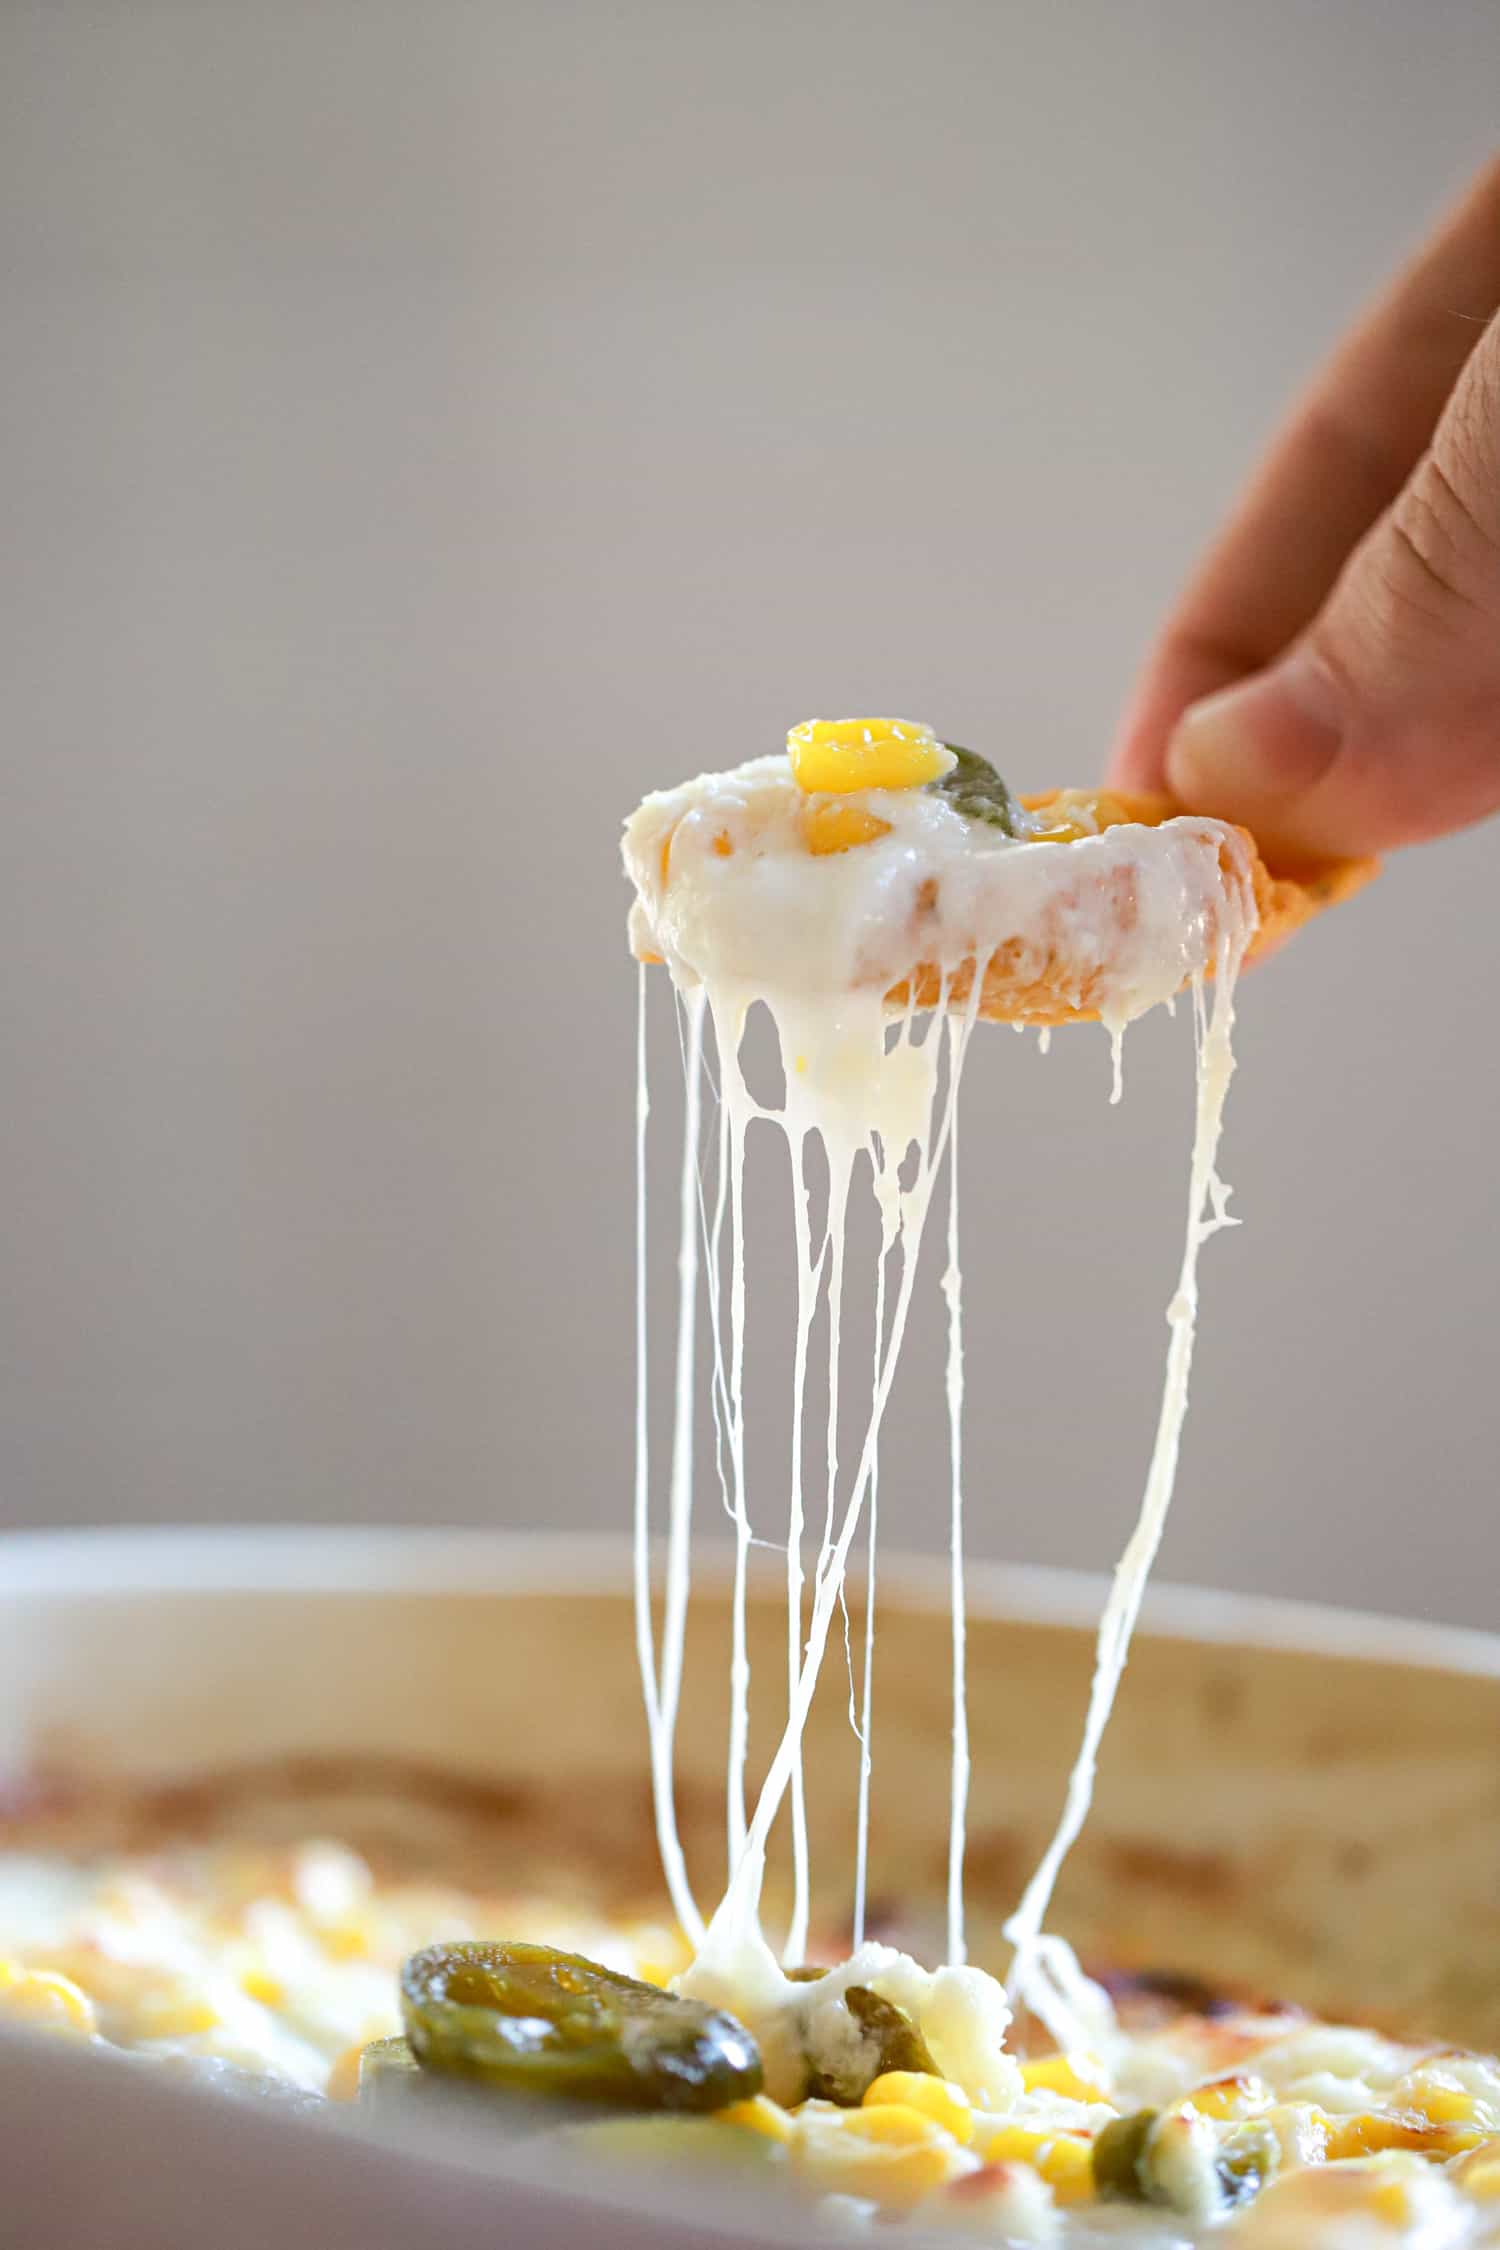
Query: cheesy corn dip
x,y
868,874
884,2093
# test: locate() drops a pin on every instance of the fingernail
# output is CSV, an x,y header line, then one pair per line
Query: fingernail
x,y
1258,743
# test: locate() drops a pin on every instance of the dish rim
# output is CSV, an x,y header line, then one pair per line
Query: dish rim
x,y
379,1559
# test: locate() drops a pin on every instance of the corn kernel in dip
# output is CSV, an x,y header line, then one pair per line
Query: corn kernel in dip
x,y
840,755
837,827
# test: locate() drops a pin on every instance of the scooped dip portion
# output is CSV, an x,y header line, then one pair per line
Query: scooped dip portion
x,y
871,858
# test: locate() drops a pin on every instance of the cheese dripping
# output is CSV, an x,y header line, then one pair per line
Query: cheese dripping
x,y
747,917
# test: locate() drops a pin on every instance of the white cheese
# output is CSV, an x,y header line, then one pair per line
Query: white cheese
x,y
744,914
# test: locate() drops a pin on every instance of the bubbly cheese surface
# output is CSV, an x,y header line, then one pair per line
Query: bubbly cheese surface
x,y
262,1972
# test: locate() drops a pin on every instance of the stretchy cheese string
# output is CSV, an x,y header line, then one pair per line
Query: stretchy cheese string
x,y
732,1093
661,1695
839,1181
736,1920
1040,1973
713,1261
807,1287
865,1727
680,1497
954,1391
644,1636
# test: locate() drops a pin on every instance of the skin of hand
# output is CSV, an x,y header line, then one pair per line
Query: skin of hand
x,y
1331,676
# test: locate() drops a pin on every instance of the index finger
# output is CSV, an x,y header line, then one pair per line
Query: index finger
x,y
1338,462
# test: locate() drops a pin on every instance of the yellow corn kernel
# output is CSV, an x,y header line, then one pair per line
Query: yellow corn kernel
x,y
1056,2074
892,2124
1361,2135
1068,2169
1014,2144
839,828
1339,2201
349,1940
45,2001
1478,2173
343,2079
260,1985
758,2115
1390,2201
838,755
1063,2160
947,2105
176,2012
1372,2131
1444,2104
656,1951
892,2154
1239,2096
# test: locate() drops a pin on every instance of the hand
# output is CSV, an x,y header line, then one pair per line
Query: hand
x,y
1331,677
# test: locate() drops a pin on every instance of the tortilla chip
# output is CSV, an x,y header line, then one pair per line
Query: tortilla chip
x,y
1017,990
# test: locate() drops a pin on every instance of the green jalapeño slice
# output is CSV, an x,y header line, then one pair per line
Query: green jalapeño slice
x,y
535,2021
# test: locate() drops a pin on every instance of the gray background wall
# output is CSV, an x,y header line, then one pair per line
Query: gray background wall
x,y
428,426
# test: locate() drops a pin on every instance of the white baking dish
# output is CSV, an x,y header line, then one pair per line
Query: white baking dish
x,y
1303,1800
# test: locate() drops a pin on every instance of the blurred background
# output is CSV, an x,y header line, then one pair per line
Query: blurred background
x,y
428,426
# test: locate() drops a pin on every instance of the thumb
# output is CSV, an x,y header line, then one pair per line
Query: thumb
x,y
1381,724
